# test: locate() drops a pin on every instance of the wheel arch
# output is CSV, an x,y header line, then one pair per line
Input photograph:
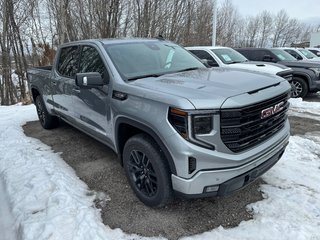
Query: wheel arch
x,y
304,77
126,128
35,92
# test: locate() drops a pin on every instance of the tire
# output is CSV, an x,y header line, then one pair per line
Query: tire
x,y
47,121
299,88
147,171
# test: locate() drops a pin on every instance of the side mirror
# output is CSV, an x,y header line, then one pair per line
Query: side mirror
x,y
89,80
267,58
298,57
209,63
212,63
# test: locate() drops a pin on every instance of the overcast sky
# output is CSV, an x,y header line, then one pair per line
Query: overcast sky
x,y
304,10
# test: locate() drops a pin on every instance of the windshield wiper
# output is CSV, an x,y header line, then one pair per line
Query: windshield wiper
x,y
188,69
144,76
160,74
235,62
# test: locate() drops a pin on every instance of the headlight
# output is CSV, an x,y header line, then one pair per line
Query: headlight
x,y
202,124
179,120
316,70
190,124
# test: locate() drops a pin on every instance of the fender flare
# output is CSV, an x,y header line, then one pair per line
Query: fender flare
x,y
303,75
147,130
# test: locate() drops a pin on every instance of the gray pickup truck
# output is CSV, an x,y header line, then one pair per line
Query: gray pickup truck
x,y
178,128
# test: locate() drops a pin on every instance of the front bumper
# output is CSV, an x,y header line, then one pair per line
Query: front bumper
x,y
224,181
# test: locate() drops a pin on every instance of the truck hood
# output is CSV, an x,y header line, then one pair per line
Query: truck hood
x,y
301,64
261,67
208,88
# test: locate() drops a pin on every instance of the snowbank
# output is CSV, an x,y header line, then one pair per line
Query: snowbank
x,y
301,108
47,199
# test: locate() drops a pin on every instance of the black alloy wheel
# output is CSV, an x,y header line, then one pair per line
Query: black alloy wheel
x,y
47,121
40,111
142,173
299,88
147,170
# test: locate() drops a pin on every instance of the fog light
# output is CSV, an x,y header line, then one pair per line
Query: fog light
x,y
213,188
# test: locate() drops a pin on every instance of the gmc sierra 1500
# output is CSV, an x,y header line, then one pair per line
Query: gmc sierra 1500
x,y
176,126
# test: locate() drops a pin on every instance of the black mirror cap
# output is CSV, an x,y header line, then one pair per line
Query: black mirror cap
x,y
89,80
209,63
299,58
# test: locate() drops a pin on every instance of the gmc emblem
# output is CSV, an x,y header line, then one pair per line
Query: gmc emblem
x,y
271,110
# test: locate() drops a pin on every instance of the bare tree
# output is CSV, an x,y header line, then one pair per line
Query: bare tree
x,y
266,28
281,22
227,22
31,30
252,30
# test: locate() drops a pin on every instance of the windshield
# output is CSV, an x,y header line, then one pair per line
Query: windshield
x,y
229,56
136,60
307,53
282,55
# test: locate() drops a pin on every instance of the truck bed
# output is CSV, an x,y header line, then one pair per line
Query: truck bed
x,y
39,76
44,67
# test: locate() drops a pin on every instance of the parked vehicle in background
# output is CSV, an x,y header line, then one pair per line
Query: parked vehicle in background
x,y
315,51
315,39
301,54
176,125
228,57
306,74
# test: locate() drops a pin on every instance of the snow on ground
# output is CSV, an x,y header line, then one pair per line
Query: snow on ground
x,y
47,200
300,108
7,229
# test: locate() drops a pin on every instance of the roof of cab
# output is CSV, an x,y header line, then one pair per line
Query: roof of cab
x,y
107,41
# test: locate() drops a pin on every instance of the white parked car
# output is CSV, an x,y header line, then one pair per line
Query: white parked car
x,y
228,57
301,54
315,51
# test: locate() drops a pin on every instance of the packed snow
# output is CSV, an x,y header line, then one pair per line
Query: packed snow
x,y
42,198
301,108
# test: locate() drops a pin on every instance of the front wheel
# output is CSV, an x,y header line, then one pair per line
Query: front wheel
x,y
47,121
299,88
147,171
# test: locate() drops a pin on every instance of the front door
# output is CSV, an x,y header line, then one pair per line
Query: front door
x,y
92,106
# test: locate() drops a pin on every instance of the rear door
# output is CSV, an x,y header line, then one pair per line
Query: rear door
x,y
92,106
63,81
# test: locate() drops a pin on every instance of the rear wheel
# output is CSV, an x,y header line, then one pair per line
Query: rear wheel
x,y
299,88
47,121
147,171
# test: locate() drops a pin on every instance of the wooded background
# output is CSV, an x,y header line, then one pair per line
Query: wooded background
x,y
31,30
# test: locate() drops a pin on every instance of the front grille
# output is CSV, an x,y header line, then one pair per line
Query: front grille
x,y
243,128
